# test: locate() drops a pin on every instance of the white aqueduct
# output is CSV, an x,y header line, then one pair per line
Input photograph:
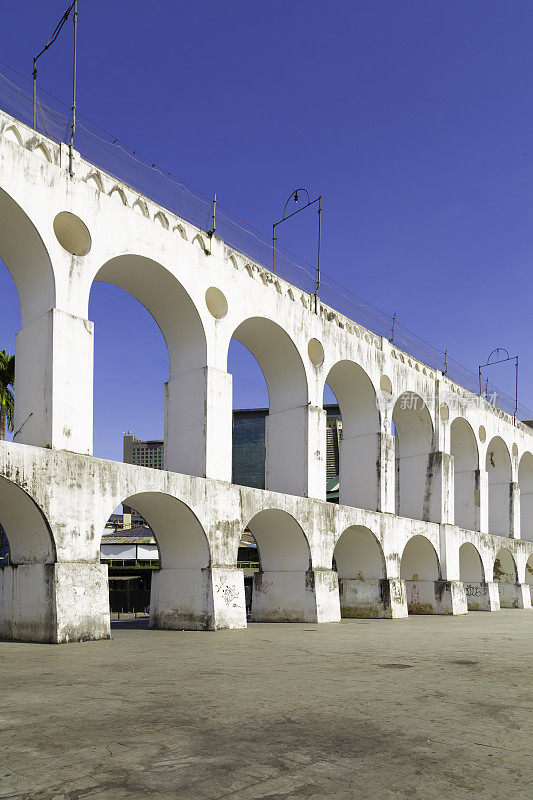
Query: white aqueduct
x,y
436,485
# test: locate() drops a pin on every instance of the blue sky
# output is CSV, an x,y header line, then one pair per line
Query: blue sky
x,y
412,119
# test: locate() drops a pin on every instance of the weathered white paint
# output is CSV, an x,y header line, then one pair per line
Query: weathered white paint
x,y
426,465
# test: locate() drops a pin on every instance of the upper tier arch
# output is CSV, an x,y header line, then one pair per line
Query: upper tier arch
x,y
27,259
279,359
171,306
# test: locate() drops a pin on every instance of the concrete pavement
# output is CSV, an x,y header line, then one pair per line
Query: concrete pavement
x,y
427,707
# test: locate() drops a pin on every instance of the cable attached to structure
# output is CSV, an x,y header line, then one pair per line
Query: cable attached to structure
x,y
55,33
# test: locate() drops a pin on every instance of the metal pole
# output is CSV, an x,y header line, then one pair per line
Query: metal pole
x,y
274,248
34,92
318,260
214,213
73,128
516,390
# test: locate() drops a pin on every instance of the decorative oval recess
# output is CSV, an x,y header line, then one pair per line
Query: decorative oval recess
x,y
515,449
444,412
385,384
72,234
482,433
216,302
316,352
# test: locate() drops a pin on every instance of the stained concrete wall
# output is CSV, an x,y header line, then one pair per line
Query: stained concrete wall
x,y
398,415
201,585
200,297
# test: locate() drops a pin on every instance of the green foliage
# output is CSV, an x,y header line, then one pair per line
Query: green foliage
x,y
7,399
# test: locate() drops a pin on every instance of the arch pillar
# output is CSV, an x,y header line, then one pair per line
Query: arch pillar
x,y
55,590
198,599
429,586
436,597
514,511
295,451
514,595
198,424
363,490
387,473
54,603
384,598
296,596
466,485
525,481
437,501
440,488
483,500
54,382
482,596
292,585
526,511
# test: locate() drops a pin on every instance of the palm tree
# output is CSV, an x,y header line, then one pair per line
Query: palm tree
x,y
7,400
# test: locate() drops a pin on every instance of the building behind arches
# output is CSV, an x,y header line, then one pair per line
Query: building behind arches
x,y
248,468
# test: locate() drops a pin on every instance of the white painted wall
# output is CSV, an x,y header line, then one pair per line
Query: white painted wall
x,y
57,502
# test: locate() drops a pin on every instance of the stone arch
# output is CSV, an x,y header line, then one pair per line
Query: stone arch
x,y
505,575
358,554
413,436
180,536
26,257
181,590
27,585
286,380
181,230
118,192
504,570
463,447
282,591
480,595
161,219
174,311
179,321
140,207
199,242
498,466
42,150
12,133
96,179
359,451
419,561
28,262
525,481
471,568
360,564
26,527
420,569
281,541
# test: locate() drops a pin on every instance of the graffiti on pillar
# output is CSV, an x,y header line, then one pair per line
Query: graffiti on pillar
x,y
476,589
229,594
264,588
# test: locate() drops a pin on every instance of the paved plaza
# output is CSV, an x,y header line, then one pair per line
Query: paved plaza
x,y
427,707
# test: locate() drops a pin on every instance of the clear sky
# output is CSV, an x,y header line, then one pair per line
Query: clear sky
x,y
413,119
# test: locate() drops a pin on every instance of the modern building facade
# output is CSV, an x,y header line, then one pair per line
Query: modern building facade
x,y
249,450
143,453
